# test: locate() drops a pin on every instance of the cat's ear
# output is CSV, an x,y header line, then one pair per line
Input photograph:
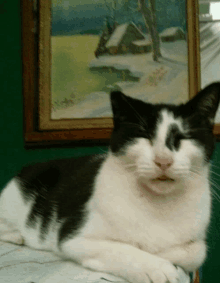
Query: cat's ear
x,y
121,106
206,102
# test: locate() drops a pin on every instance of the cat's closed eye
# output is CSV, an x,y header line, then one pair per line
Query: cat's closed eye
x,y
175,140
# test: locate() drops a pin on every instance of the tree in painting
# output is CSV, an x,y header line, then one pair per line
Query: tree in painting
x,y
149,15
148,12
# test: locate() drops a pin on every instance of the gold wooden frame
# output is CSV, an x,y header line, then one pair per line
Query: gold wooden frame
x,y
46,123
38,127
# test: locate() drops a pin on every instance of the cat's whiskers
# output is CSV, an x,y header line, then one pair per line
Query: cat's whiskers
x,y
193,175
103,150
213,163
145,171
180,169
213,186
214,166
212,179
146,168
210,170
215,196
213,191
134,124
196,169
213,172
129,166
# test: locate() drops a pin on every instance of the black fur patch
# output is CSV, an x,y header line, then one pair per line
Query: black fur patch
x,y
174,137
63,186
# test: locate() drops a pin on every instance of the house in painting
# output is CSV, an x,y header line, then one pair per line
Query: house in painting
x,y
141,46
125,38
172,34
106,33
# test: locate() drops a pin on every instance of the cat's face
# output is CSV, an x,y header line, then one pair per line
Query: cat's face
x,y
164,144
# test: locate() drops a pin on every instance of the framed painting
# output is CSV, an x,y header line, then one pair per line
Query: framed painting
x,y
76,52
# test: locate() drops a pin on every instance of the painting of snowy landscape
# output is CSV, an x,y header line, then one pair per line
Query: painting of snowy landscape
x,y
136,46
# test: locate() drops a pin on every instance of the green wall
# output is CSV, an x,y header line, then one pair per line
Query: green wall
x,y
12,152
211,268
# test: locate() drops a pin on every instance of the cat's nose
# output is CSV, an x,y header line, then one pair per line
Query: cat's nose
x,y
163,163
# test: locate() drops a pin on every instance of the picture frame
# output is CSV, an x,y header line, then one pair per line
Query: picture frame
x,y
209,18
39,129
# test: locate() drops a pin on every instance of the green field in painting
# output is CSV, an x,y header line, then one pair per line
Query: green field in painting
x,y
72,80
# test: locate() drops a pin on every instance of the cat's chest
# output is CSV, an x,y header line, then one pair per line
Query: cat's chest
x,y
151,228
156,232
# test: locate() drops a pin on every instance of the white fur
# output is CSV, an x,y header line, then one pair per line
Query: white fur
x,y
136,228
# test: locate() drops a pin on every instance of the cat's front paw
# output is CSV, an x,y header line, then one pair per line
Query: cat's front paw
x,y
158,271
163,272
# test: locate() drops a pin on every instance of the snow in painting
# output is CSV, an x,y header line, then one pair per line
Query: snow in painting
x,y
103,45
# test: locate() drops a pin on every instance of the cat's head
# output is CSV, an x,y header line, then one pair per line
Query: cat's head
x,y
162,143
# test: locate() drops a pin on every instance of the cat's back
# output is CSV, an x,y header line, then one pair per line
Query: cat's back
x,y
59,177
56,191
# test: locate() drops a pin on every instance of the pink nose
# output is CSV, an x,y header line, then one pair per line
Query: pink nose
x,y
163,163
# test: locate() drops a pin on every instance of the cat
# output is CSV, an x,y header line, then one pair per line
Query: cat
x,y
139,211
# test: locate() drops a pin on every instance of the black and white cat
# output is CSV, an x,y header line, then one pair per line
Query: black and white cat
x,y
136,212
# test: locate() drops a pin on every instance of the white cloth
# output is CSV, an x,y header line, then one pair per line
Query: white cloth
x,y
20,264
